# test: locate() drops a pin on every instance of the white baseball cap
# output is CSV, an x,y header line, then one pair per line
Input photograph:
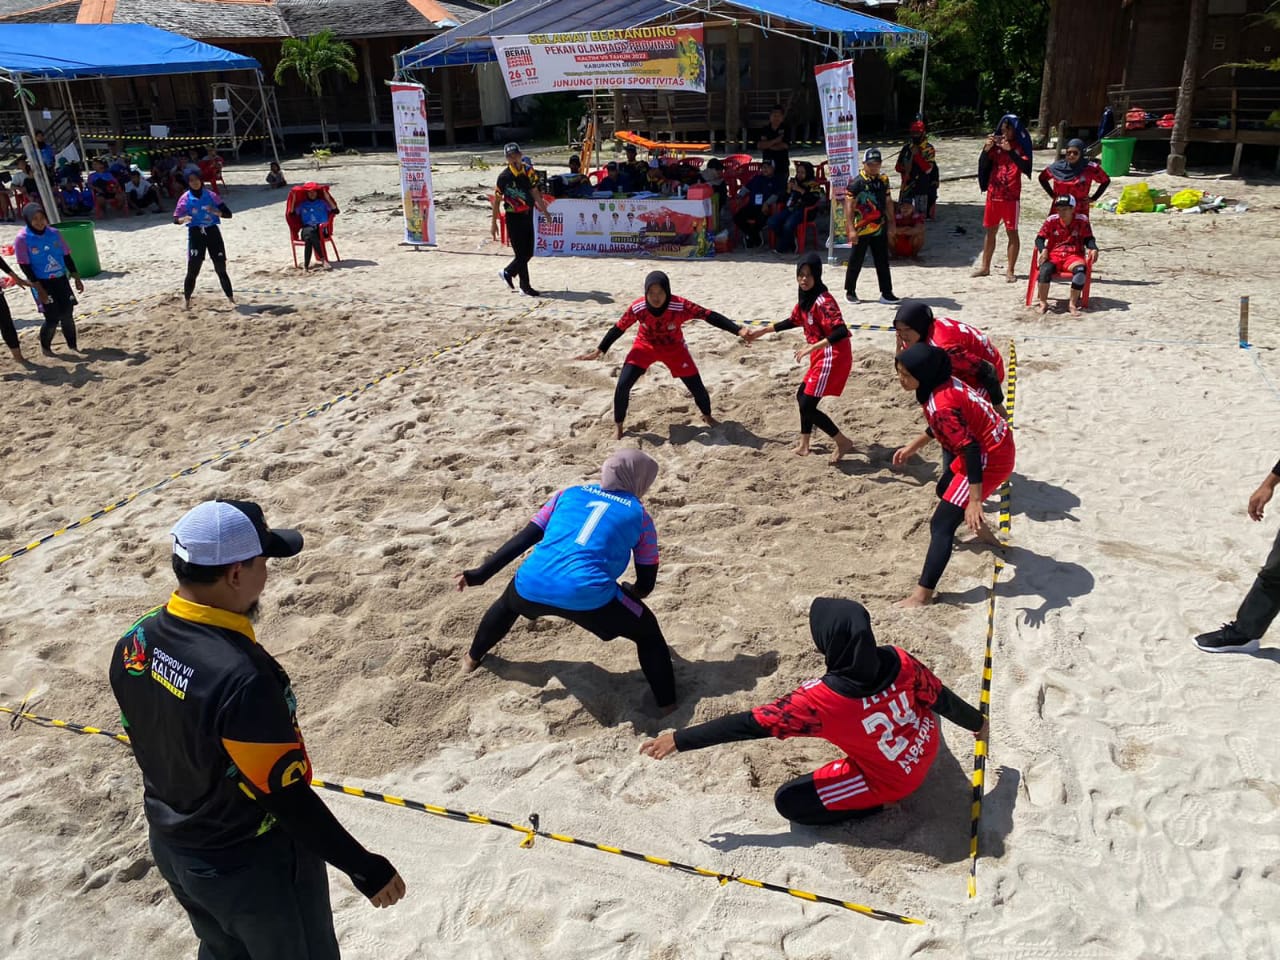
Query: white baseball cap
x,y
218,532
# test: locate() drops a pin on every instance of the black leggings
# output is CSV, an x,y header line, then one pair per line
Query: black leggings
x,y
7,329
59,312
1048,269
314,240
199,241
942,532
520,233
631,373
798,801
620,617
879,244
811,416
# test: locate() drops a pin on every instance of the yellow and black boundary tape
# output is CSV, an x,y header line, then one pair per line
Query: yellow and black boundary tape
x,y
984,700
254,438
529,832
195,138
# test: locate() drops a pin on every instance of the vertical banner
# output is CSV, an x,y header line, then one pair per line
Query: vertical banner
x,y
409,108
839,122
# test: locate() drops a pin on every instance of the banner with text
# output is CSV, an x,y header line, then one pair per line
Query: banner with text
x,y
839,122
659,226
640,58
409,109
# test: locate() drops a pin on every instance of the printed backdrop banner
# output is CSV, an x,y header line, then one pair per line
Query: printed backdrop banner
x,y
408,106
639,58
660,226
839,122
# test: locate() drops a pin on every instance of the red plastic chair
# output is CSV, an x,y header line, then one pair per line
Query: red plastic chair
x,y
296,196
502,222
211,172
1034,278
809,224
736,160
115,200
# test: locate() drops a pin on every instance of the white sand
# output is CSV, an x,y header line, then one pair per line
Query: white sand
x,y
1132,800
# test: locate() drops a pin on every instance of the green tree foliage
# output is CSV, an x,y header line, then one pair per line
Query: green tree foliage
x,y
312,59
996,46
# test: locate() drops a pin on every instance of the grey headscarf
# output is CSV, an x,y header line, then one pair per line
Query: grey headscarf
x,y
629,469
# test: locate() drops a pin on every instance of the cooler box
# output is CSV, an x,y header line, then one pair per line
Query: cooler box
x,y
83,244
1117,155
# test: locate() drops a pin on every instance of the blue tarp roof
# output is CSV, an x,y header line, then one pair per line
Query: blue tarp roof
x,y
66,51
472,42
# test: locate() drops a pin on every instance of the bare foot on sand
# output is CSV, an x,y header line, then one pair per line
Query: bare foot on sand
x,y
1010,278
17,355
844,446
801,449
919,597
1074,310
469,665
709,420
981,272
617,431
1042,307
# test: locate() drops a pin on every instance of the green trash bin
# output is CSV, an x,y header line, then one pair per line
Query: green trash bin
x,y
1117,155
84,247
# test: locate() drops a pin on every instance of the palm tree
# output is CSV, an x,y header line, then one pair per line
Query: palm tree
x,y
311,58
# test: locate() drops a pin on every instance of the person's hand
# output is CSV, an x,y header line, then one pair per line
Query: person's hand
x,y
1093,256
461,580
389,895
185,220
227,216
757,333
44,295
79,285
984,733
744,334
973,517
493,229
803,353
990,142
1259,500
902,455
592,355
660,748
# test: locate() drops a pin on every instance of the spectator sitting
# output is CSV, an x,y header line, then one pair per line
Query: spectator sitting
x,y
803,192
118,166
760,193
713,176
656,180
101,183
610,182
141,192
633,174
572,184
75,198
275,177
1066,242
191,164
210,166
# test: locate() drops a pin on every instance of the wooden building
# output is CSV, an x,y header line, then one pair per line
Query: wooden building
x,y
1130,54
357,113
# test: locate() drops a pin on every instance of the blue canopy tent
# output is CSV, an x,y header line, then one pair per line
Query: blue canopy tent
x,y
59,52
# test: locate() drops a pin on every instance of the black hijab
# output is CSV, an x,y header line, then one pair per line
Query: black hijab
x,y
929,364
661,280
841,631
813,260
917,315
1064,171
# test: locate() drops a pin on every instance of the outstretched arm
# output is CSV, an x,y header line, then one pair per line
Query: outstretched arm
x,y
736,726
517,545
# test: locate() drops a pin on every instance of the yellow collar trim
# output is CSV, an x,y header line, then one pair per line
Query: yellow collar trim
x,y
198,613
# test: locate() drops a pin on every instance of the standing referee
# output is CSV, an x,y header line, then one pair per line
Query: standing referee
x,y
517,194
235,827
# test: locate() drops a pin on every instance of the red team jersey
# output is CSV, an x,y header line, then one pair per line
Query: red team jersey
x,y
967,347
829,368
889,739
958,415
662,332
1006,179
1062,242
1081,187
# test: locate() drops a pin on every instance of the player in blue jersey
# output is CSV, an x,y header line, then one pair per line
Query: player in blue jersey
x,y
201,210
43,255
583,538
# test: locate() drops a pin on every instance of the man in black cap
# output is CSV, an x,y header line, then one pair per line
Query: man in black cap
x,y
633,174
517,194
235,827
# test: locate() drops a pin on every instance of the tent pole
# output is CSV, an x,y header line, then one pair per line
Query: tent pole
x,y
595,126
266,116
924,69
36,161
75,123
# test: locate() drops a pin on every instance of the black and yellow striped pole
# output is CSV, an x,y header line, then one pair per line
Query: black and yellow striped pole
x,y
984,701
529,832
248,441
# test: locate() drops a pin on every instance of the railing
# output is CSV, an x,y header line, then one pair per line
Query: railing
x,y
1226,108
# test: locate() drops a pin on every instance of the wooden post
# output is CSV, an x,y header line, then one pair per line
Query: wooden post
x,y
370,91
1176,165
732,87
1048,77
446,104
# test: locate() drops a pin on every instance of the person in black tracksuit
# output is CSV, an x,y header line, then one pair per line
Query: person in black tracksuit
x,y
7,330
517,194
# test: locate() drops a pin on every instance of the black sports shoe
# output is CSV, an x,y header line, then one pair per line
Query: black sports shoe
x,y
852,297
890,299
530,292
506,277
1230,639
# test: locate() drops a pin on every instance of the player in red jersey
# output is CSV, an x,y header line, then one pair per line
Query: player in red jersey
x,y
660,339
977,439
1065,242
1005,159
878,704
827,349
973,357
1075,174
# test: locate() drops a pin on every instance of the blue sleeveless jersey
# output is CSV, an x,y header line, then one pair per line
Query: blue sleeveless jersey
x,y
589,539
47,252
203,209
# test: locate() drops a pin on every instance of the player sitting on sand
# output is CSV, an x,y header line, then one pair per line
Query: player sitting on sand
x,y
878,704
583,538
660,339
826,348
980,443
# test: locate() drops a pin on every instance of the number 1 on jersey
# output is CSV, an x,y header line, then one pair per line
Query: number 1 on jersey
x,y
598,507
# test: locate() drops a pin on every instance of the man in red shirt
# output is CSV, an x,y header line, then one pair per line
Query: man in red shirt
x,y
1005,159
1066,244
